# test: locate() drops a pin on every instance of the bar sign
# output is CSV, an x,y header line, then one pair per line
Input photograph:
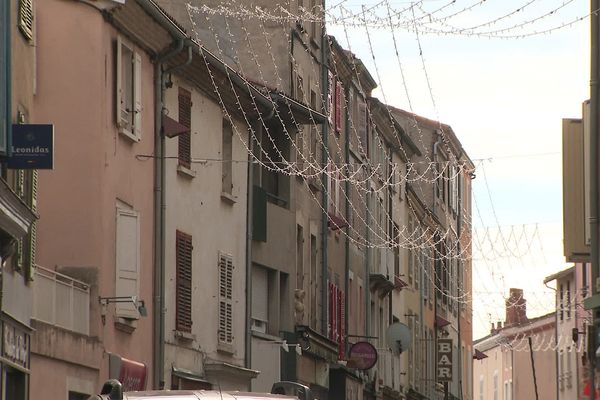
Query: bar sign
x,y
444,360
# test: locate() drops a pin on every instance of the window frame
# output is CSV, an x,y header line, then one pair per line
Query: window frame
x,y
130,127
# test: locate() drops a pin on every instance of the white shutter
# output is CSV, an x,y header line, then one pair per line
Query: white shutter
x,y
127,261
225,333
137,96
119,84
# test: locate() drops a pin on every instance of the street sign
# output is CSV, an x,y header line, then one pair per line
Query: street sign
x,y
444,360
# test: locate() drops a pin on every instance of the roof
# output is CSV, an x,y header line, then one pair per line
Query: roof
x,y
506,334
559,274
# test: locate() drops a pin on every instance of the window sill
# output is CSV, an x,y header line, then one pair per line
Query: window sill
x,y
225,348
185,172
184,336
228,198
127,134
127,325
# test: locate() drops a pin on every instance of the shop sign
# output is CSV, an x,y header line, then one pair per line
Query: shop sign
x,y
362,356
131,374
15,345
444,360
32,147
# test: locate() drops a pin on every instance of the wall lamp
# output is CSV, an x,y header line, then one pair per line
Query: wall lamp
x,y
140,305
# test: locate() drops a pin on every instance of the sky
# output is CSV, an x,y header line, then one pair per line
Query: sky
x,y
505,99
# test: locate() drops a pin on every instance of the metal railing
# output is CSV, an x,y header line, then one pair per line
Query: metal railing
x,y
61,301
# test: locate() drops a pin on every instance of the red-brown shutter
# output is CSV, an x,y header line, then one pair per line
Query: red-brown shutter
x,y
342,325
185,118
183,262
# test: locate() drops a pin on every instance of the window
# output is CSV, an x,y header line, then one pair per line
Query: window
x,y
313,281
507,390
5,80
495,385
299,257
128,91
260,299
127,259
336,317
227,155
183,291
225,299
185,119
481,397
274,153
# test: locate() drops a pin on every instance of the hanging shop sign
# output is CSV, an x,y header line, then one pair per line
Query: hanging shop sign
x,y
362,356
444,360
131,374
32,146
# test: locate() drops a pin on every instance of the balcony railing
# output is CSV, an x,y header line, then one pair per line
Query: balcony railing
x,y
61,301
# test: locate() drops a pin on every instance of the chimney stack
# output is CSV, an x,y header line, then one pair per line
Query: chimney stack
x,y
516,308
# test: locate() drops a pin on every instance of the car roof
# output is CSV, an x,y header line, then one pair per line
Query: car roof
x,y
202,394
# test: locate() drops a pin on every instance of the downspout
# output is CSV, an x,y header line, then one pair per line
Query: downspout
x,y
594,195
556,337
347,215
324,194
159,211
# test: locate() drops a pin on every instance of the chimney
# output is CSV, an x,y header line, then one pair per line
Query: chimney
x,y
493,330
499,325
516,308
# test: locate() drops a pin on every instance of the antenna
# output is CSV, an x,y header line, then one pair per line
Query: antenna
x,y
398,337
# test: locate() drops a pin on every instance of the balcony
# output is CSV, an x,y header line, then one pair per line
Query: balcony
x,y
382,275
61,301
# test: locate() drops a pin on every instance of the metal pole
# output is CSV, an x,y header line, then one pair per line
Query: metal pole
x,y
533,368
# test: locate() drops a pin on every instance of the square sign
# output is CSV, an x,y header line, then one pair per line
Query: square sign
x,y
444,360
32,147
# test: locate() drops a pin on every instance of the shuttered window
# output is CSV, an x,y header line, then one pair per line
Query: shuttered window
x,y
338,106
362,127
128,102
183,293
4,78
127,260
185,119
225,333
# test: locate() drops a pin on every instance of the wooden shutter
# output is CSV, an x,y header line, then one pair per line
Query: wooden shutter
x,y
26,18
119,85
185,118
341,325
137,95
330,97
127,260
183,293
362,126
338,106
30,264
225,333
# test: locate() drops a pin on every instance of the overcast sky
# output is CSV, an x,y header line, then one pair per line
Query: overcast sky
x,y
505,99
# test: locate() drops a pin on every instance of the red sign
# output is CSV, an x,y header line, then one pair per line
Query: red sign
x,y
362,356
132,375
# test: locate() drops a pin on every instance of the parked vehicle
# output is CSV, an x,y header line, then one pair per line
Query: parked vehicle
x,y
113,390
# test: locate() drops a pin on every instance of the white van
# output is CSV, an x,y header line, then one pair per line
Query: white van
x,y
112,390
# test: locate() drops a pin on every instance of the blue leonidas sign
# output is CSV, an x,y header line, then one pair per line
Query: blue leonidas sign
x,y
32,146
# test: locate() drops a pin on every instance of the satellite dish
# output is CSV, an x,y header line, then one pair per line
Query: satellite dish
x,y
398,337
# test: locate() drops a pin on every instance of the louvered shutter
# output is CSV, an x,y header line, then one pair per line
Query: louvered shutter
x,y
30,265
342,324
362,126
183,262
4,79
330,97
185,118
137,96
127,261
121,122
225,333
26,18
338,106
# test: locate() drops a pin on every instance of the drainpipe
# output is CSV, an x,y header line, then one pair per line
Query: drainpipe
x,y
324,218
160,210
249,227
594,195
347,215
